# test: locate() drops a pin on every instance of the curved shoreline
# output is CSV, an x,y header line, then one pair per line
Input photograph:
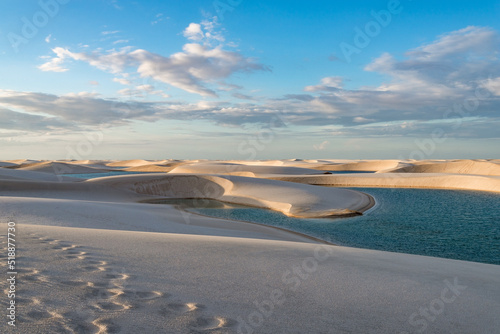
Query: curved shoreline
x,y
303,235
179,207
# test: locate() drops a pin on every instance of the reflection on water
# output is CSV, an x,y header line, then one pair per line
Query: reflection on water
x,y
453,224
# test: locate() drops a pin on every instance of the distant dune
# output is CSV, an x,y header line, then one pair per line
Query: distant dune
x,y
452,167
241,169
62,168
135,163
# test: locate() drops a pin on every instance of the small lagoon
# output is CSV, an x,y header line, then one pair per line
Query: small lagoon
x,y
453,224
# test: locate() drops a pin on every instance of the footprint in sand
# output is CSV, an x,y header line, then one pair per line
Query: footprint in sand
x,y
79,321
106,326
101,293
117,276
75,254
204,324
179,308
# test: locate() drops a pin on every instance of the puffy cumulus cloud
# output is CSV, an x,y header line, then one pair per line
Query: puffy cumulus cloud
x,y
207,32
201,63
190,70
194,32
196,65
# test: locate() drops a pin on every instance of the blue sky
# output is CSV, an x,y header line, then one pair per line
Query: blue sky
x,y
241,79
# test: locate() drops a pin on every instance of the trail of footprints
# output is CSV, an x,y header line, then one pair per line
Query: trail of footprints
x,y
103,299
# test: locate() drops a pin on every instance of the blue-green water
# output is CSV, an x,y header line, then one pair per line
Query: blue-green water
x,y
462,225
96,175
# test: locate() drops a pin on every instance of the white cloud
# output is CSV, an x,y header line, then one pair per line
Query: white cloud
x,y
327,84
122,81
55,64
194,69
83,109
419,86
189,70
48,38
207,32
194,32
493,85
431,79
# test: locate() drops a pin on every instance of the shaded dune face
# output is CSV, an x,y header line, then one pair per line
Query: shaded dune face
x,y
181,186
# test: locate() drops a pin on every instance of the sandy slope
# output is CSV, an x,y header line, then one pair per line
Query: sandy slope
x,y
87,280
91,259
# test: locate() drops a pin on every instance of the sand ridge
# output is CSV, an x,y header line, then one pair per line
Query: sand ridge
x,y
61,168
291,199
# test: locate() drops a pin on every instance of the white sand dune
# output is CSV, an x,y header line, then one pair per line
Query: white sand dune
x,y
95,260
291,199
62,168
237,168
163,167
371,165
149,168
135,163
91,163
401,180
454,167
258,162
22,161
